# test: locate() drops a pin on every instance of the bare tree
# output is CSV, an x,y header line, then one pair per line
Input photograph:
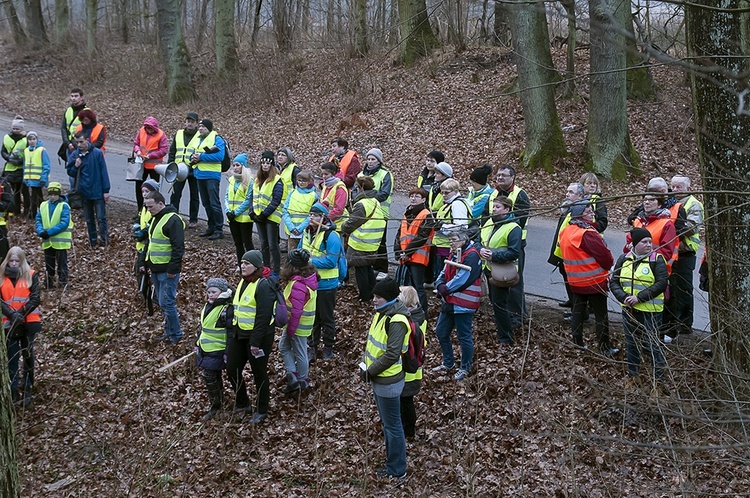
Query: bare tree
x,y
416,34
19,35
570,51
62,21
92,13
174,52
35,22
454,15
282,10
226,46
9,483
361,45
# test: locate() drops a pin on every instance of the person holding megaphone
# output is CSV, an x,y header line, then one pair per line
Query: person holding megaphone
x,y
150,145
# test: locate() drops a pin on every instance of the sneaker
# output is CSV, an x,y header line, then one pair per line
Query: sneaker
x,y
216,235
327,353
667,339
381,276
257,418
461,374
610,351
567,313
192,224
162,338
383,473
211,413
175,340
442,369
206,233
311,353
565,304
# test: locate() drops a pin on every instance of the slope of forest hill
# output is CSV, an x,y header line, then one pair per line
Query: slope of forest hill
x,y
452,101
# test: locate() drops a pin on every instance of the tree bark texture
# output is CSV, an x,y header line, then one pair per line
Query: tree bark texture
x,y
416,34
608,147
640,80
282,11
19,35
361,44
92,11
719,42
536,78
10,485
226,46
176,57
256,25
62,22
35,22
570,52
501,26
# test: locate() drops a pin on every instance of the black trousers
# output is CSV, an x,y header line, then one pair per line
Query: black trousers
x,y
238,355
325,321
678,310
242,235
178,187
381,262
56,258
417,275
365,277
598,304
408,416
34,201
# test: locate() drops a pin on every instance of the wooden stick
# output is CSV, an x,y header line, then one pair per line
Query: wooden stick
x,y
458,265
179,360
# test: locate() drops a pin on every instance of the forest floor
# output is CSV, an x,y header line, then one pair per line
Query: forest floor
x,y
538,419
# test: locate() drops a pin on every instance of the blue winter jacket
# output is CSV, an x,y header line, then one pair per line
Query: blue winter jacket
x,y
64,218
333,249
94,180
211,157
42,182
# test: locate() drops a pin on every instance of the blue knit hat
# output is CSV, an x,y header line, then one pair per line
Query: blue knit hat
x,y
241,158
319,208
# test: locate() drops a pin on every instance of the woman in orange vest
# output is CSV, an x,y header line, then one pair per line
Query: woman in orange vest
x,y
21,320
412,243
656,219
151,145
95,132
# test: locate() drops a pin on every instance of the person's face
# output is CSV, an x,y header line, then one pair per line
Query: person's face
x,y
152,206
32,140
499,209
202,130
265,166
316,219
504,179
302,183
82,144
76,98
378,301
588,214
447,194
16,130
14,261
416,200
336,148
650,203
53,197
145,191
677,186
237,168
281,157
456,243
643,247
431,163
591,187
372,162
86,121
325,174
149,129
572,194
212,293
439,177
247,268
190,124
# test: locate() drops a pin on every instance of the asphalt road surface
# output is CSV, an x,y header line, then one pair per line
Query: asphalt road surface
x,y
539,276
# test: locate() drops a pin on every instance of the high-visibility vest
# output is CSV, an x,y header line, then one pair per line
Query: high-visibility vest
x,y
16,296
314,247
286,177
32,164
208,142
212,337
494,236
95,132
144,218
184,151
159,250
306,321
656,229
237,193
409,231
299,206
470,296
378,178
512,195
445,215
72,121
435,199
328,198
262,196
62,241
637,275
566,221
377,342
408,377
581,268
245,306
345,161
11,145
149,143
693,241
367,237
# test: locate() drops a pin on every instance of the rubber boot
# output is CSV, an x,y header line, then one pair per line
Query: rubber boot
x,y
215,394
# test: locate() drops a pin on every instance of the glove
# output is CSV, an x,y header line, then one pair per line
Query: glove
x,y
230,216
442,290
364,375
253,216
16,318
261,218
44,234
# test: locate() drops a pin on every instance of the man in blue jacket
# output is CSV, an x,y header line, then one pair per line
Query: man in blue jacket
x,y
88,165
206,163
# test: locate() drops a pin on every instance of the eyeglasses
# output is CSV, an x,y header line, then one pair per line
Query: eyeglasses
x,y
414,196
504,175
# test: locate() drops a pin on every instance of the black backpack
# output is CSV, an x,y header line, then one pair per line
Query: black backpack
x,y
226,161
413,358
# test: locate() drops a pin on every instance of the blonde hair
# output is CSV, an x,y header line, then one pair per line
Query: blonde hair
x,y
24,268
246,177
408,296
450,185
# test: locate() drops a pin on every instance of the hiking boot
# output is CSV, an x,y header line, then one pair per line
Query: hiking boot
x,y
206,233
327,353
211,413
257,418
312,352
192,224
27,397
216,236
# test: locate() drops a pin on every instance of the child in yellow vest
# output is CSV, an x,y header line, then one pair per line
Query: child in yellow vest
x,y
55,227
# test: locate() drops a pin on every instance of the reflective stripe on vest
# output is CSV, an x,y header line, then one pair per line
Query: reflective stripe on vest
x,y
314,247
635,276
495,236
469,297
512,195
149,143
656,229
377,342
581,268
306,321
408,377
182,151
445,215
32,164
237,193
262,196
378,177
244,306
208,142
12,146
72,121
16,296
565,223
212,338
366,238
159,250
409,231
693,241
299,206
62,241
286,177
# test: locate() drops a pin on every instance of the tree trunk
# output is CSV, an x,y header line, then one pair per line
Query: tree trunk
x,y
281,10
536,78
416,34
10,485
501,26
62,22
92,11
608,147
256,25
569,90
122,13
19,35
640,80
226,46
455,19
361,46
35,22
718,40
174,52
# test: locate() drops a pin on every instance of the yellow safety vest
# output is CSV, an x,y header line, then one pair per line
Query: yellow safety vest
x,y
62,241
72,121
378,177
313,246
513,195
286,177
558,252
159,250
207,142
212,338
694,240
262,195
445,214
237,194
143,219
13,146
408,377
377,342
299,206
366,238
306,321
245,306
32,164
638,277
183,152
493,238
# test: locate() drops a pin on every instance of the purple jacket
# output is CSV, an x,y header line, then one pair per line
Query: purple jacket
x,y
298,297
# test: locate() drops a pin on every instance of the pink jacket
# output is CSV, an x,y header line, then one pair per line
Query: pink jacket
x,y
298,297
163,147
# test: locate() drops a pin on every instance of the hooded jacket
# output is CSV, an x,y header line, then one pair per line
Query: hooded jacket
x,y
94,180
42,182
396,332
298,298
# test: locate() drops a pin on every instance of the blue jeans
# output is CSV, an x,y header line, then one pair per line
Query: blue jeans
x,y
294,353
389,410
165,289
642,333
463,323
209,191
15,348
94,211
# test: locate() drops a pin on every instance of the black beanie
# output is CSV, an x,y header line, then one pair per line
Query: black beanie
x,y
208,124
577,208
267,157
387,289
299,258
438,156
481,174
638,234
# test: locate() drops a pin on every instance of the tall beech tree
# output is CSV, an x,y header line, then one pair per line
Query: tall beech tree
x,y
416,34
174,52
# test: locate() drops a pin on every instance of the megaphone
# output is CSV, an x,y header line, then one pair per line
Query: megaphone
x,y
168,171
182,171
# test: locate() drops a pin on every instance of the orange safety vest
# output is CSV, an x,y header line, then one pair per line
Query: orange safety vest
x,y
16,296
409,231
582,269
149,143
95,132
656,229
345,161
469,297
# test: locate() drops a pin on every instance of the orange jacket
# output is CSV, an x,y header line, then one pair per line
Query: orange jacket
x,y
408,231
16,296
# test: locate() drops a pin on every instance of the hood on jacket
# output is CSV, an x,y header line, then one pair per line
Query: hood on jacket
x,y
365,194
395,308
311,280
152,122
39,143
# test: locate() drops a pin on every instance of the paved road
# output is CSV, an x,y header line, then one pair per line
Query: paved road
x,y
540,280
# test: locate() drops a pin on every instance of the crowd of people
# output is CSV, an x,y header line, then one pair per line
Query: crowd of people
x,y
449,243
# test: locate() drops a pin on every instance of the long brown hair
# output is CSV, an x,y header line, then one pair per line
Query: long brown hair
x,y
273,172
